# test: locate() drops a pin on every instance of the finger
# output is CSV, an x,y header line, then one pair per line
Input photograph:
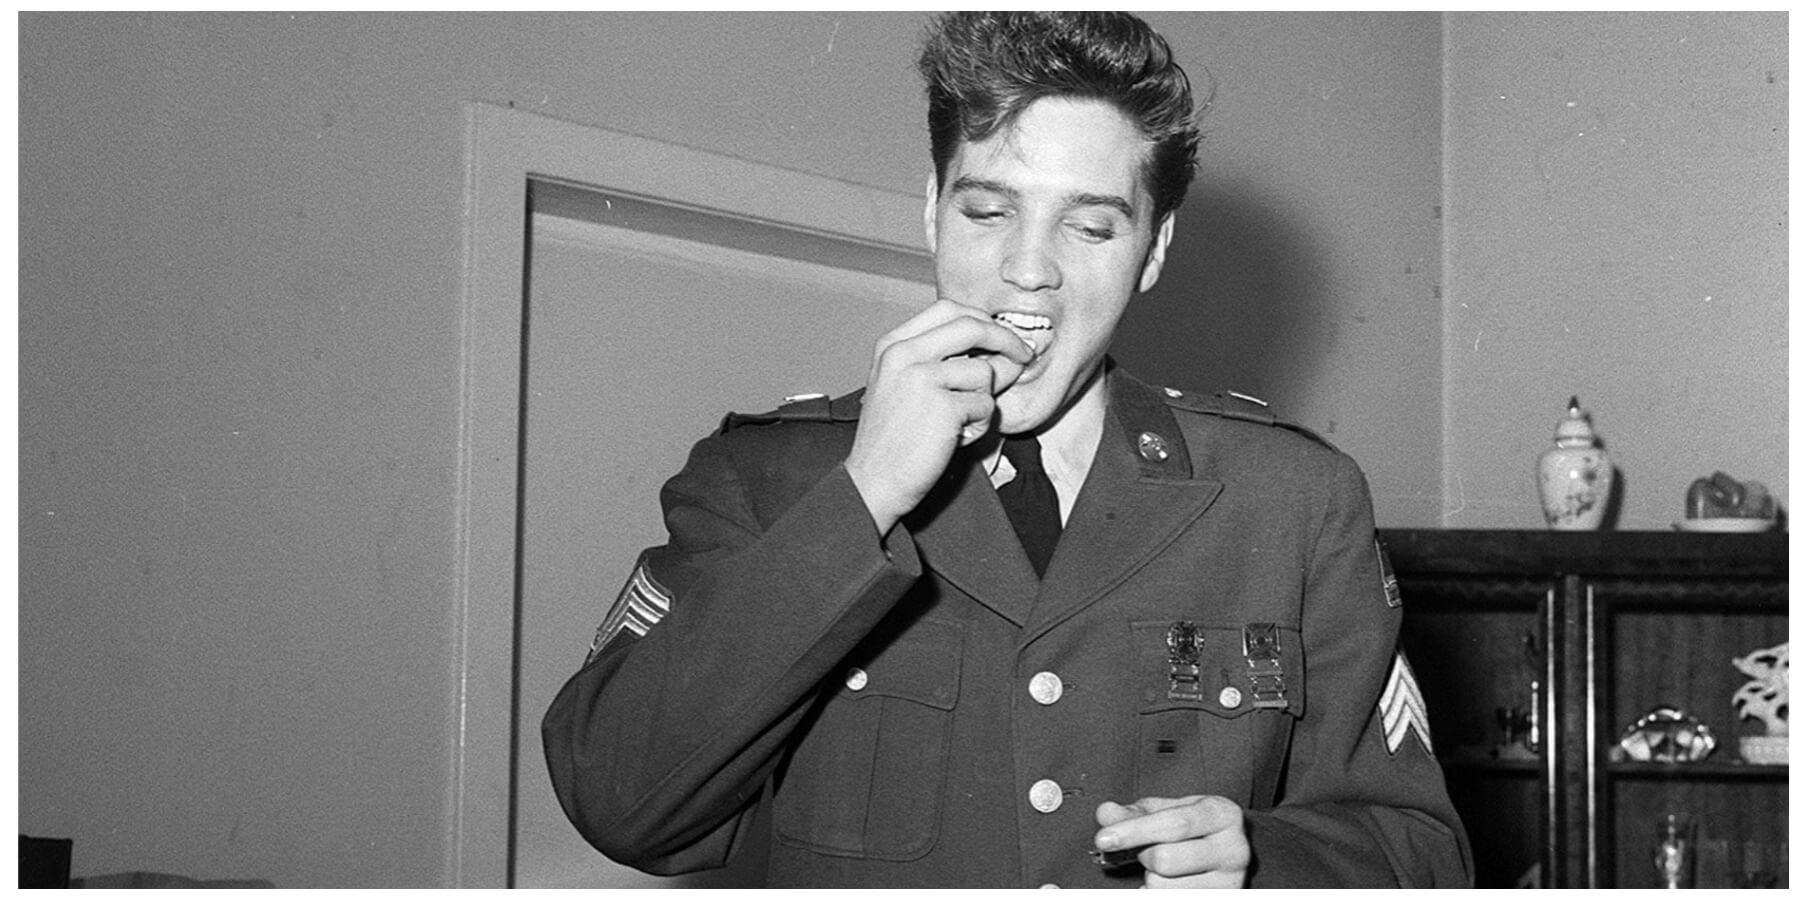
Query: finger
x,y
928,318
1214,880
1109,812
1161,820
978,418
951,309
1006,372
1221,851
965,373
997,342
974,432
958,336
978,337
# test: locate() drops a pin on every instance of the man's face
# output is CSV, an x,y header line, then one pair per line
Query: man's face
x,y
1047,227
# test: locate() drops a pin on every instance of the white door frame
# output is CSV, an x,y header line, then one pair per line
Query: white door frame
x,y
505,150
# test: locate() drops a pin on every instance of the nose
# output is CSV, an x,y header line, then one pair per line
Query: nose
x,y
1030,263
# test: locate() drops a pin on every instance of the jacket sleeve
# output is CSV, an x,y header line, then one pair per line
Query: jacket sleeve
x,y
660,745
1363,801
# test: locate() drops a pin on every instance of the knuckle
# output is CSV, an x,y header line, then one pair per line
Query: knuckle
x,y
1219,809
1159,859
1238,857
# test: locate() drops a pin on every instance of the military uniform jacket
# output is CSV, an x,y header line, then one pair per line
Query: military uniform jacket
x,y
922,711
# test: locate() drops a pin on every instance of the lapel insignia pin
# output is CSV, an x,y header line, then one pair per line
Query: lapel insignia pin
x,y
1153,446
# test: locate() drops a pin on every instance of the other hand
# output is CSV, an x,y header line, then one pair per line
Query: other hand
x,y
1188,842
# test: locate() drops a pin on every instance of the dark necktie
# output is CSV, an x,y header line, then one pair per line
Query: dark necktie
x,y
1030,502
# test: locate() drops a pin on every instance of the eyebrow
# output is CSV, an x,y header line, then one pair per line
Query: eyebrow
x,y
1111,201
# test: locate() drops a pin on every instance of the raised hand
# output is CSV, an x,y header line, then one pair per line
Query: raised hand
x,y
931,390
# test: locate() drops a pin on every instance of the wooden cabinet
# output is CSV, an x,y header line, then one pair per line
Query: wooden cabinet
x,y
1578,634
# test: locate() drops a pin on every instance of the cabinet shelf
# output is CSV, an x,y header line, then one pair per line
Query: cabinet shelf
x,y
1678,554
1586,631
1700,771
1530,768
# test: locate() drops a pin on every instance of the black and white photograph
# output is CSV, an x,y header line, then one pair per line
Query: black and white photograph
x,y
902,449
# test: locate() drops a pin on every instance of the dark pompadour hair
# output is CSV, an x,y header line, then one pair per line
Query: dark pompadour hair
x,y
982,69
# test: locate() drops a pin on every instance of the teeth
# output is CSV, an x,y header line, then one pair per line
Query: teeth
x,y
1024,325
1019,320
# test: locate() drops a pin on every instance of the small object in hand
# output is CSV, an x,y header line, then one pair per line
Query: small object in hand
x,y
1110,859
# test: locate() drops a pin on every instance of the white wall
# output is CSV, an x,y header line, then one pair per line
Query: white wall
x,y
1616,228
239,318
239,304
1309,272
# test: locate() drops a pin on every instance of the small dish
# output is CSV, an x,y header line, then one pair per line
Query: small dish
x,y
1725,525
1764,750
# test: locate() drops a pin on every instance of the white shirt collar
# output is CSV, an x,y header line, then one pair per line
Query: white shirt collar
x,y
1069,447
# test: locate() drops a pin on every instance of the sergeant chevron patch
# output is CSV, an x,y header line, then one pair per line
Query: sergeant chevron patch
x,y
1403,707
642,604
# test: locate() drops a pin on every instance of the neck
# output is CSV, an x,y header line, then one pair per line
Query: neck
x,y
1070,441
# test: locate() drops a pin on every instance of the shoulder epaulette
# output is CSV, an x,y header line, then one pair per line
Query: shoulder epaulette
x,y
801,408
1230,404
1233,405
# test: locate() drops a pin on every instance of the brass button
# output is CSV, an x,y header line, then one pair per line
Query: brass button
x,y
1046,796
856,679
1046,688
1231,697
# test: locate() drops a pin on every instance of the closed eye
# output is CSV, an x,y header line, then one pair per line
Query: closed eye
x,y
982,213
1094,232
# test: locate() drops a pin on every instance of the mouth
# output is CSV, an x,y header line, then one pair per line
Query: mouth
x,y
1035,330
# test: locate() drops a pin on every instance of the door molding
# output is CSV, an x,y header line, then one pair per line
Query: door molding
x,y
505,151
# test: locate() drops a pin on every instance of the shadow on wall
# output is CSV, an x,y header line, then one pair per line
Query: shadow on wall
x,y
1239,306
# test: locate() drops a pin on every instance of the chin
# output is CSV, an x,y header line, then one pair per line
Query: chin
x,y
1029,414
1031,405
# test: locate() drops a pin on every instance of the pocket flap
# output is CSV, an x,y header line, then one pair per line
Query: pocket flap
x,y
923,664
1213,671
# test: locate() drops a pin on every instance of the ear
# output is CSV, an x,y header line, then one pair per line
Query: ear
x,y
1159,249
931,198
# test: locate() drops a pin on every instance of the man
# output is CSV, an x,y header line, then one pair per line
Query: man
x,y
1186,656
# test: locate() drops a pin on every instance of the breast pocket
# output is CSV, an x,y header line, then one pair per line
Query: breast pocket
x,y
866,779
1216,702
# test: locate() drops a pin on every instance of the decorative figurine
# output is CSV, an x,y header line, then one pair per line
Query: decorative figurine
x,y
1722,503
1666,734
1674,856
1764,698
1575,477
1518,730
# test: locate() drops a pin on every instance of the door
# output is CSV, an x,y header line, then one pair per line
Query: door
x,y
645,323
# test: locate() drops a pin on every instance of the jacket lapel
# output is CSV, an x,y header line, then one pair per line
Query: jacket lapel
x,y
963,535
1140,495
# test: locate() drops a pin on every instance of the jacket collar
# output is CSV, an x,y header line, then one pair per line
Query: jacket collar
x,y
1149,428
1140,495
